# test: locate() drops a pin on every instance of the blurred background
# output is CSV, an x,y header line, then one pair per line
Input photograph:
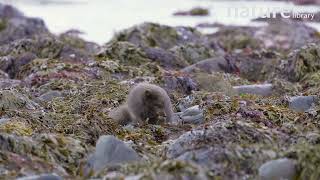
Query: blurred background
x,y
100,19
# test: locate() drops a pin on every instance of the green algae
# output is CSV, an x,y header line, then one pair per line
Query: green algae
x,y
149,35
307,156
214,83
237,38
192,53
125,53
304,61
3,24
16,127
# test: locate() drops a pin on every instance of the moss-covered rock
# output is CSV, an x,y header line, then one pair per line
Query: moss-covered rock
x,y
124,53
303,61
156,35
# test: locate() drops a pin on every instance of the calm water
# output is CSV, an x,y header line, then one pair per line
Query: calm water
x,y
100,19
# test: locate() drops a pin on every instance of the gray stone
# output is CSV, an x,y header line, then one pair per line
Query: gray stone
x,y
42,177
192,115
302,103
9,83
110,151
256,89
48,96
280,169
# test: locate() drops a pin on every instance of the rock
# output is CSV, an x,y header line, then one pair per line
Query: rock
x,y
279,169
197,11
166,58
256,89
179,82
285,34
48,96
214,82
306,2
11,99
124,52
110,151
210,146
192,53
302,103
257,65
185,103
232,38
302,62
217,64
149,35
9,83
192,115
42,177
16,26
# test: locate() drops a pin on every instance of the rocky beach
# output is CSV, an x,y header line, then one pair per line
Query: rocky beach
x,y
246,99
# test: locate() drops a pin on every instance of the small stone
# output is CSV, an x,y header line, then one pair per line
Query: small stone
x,y
280,169
41,177
302,103
256,89
192,115
110,151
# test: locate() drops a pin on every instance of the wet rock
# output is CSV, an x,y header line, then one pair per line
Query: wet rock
x,y
278,169
302,103
217,64
197,11
48,96
110,151
256,89
42,177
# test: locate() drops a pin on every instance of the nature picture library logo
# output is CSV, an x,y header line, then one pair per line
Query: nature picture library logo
x,y
268,13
